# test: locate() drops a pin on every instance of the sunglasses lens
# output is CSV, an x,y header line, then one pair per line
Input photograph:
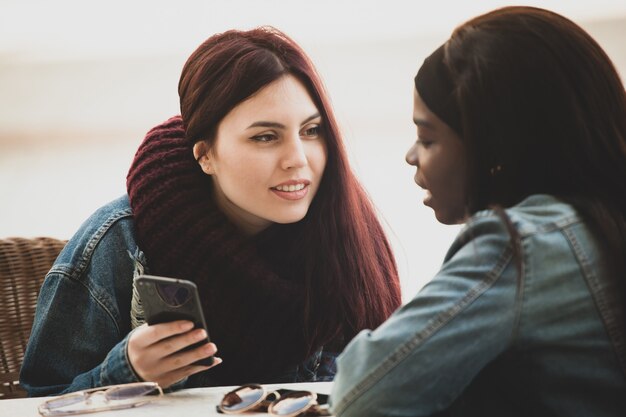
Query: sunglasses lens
x,y
134,391
292,403
66,400
241,399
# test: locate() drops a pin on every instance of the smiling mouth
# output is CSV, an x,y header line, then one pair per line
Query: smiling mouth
x,y
289,188
292,192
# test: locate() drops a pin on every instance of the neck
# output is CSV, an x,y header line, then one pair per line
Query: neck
x,y
247,223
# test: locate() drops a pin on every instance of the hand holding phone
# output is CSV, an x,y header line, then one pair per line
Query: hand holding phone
x,y
154,352
168,299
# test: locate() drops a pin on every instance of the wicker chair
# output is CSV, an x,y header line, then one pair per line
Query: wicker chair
x,y
24,262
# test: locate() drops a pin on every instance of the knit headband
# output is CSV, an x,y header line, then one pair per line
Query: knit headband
x,y
436,89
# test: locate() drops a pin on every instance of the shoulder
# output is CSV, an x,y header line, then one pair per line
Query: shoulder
x,y
109,229
542,213
536,215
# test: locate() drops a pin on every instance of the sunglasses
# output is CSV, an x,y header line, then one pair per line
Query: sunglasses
x,y
113,397
282,402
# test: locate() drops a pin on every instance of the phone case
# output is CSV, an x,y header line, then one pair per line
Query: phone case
x,y
167,299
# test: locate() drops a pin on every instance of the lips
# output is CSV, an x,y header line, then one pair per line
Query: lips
x,y
427,194
419,183
292,189
292,185
291,195
427,198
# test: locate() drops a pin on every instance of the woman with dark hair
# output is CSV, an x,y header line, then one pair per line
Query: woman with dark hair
x,y
521,133
249,195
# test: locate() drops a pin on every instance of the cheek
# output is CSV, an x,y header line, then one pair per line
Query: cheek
x,y
317,156
237,169
458,171
452,186
440,173
450,177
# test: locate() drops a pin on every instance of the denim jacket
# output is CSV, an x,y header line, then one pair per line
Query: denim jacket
x,y
83,318
484,339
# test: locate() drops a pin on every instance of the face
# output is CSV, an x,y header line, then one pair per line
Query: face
x,y
268,158
439,157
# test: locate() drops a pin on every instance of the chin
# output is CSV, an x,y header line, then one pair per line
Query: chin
x,y
445,217
288,218
450,218
443,220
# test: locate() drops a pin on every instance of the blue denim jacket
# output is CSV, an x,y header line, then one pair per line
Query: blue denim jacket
x,y
480,339
83,317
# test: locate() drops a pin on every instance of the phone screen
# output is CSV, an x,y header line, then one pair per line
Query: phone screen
x,y
167,299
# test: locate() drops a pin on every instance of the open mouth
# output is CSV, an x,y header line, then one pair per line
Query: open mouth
x,y
295,191
289,188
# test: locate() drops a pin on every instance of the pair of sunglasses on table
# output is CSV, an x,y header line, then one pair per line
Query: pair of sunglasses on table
x,y
249,397
113,397
281,402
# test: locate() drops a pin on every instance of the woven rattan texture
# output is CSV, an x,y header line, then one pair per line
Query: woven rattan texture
x,y
24,262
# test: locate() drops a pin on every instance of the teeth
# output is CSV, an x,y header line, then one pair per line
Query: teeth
x,y
290,188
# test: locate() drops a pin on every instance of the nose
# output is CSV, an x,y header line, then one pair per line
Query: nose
x,y
411,156
294,155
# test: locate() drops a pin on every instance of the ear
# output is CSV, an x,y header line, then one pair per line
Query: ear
x,y
202,153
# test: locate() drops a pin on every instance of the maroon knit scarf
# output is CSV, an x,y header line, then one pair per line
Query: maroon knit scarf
x,y
251,289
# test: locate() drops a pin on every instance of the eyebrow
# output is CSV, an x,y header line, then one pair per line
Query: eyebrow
x,y
276,125
423,123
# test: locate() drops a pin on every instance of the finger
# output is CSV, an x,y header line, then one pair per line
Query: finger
x,y
166,355
178,374
175,343
181,359
152,334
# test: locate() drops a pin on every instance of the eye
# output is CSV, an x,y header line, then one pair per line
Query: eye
x,y
425,143
311,131
266,137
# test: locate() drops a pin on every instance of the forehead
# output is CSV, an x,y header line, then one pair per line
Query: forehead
x,y
284,98
424,118
420,110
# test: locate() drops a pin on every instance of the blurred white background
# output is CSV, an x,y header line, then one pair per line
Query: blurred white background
x,y
81,83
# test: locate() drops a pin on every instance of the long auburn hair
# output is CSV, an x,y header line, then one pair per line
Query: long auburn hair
x,y
542,101
351,275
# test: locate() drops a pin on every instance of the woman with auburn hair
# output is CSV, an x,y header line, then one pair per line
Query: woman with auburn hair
x,y
521,134
249,195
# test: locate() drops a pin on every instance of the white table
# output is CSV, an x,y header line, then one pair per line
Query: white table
x,y
196,402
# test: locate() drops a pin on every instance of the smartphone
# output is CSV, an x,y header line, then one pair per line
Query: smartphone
x,y
167,299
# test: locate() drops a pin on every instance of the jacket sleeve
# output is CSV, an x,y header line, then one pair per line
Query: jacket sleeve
x,y
423,357
82,320
76,343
